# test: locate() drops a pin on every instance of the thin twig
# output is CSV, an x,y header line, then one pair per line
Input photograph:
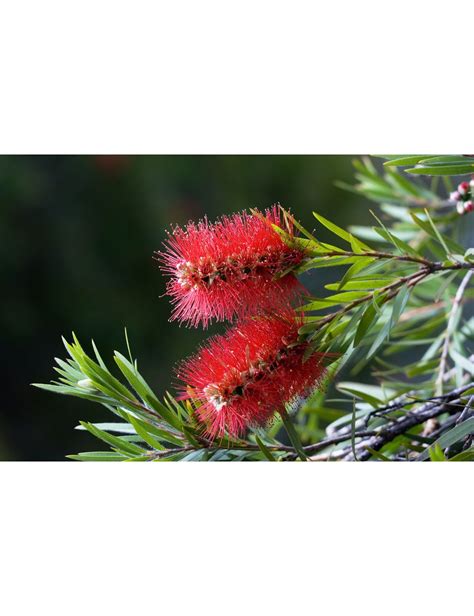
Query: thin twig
x,y
392,290
308,449
334,440
466,412
375,439
411,419
435,266
376,255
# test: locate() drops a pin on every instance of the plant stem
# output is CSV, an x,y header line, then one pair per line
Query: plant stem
x,y
434,266
376,255
413,418
375,439
392,289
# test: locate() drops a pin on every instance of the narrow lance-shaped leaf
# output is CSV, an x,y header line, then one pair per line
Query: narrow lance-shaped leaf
x,y
451,437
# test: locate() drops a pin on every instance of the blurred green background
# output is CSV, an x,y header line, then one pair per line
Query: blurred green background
x,y
77,238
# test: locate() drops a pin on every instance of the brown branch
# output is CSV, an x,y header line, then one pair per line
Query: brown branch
x,y
375,439
431,409
375,255
435,266
392,290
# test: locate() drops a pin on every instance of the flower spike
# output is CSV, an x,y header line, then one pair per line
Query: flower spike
x,y
241,378
236,266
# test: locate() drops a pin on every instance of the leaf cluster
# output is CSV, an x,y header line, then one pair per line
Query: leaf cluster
x,y
434,165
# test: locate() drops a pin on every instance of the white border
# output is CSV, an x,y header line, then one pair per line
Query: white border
x,y
254,538
251,76
235,77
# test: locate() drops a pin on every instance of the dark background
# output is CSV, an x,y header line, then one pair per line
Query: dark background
x,y
77,238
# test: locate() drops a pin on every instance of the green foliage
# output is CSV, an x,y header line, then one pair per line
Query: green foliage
x,y
391,188
451,437
401,283
434,165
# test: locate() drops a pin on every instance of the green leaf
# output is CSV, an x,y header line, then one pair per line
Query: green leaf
x,y
338,231
402,246
326,261
403,161
264,449
428,229
168,415
134,378
356,245
98,456
195,456
360,284
402,184
371,394
146,436
114,441
380,338
300,227
318,304
357,267
399,305
377,454
99,358
292,434
364,324
469,255
437,233
309,327
101,377
396,211
464,362
421,367
443,169
447,158
345,297
157,430
121,428
464,456
451,437
436,453
69,391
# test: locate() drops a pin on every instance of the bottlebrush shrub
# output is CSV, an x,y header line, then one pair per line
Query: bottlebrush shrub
x,y
236,265
241,378
399,303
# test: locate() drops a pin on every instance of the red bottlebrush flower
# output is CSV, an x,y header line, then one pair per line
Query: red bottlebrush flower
x,y
226,269
241,378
